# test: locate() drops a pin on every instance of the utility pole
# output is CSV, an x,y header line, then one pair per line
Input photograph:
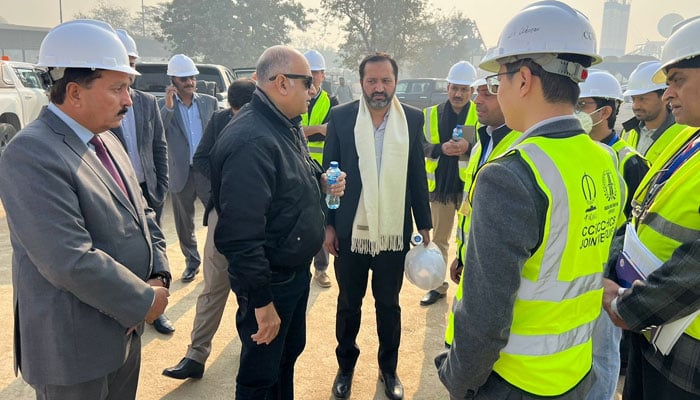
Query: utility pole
x,y
143,20
60,10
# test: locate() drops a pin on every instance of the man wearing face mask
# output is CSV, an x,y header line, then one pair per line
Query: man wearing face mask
x,y
185,114
598,102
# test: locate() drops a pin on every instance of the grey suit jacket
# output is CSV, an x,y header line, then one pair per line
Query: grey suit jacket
x,y
82,252
152,147
178,138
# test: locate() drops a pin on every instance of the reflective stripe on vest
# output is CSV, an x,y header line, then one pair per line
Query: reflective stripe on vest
x,y
549,349
432,135
318,114
659,145
464,218
672,218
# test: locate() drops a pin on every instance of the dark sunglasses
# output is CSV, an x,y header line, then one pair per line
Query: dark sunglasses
x,y
308,80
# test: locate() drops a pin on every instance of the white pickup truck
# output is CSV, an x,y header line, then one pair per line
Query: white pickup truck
x,y
23,92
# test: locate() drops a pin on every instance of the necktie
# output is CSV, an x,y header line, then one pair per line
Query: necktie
x,y
102,154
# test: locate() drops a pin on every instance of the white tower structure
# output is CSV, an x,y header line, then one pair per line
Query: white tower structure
x,y
616,16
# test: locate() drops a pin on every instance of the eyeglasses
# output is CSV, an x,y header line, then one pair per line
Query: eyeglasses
x,y
184,79
493,81
308,80
580,105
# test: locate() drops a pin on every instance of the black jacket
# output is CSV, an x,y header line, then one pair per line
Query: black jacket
x,y
340,146
266,193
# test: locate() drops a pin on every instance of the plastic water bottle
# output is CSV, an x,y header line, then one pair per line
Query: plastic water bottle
x,y
332,201
457,133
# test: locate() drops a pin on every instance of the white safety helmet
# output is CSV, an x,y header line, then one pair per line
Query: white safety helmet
x,y
128,42
316,60
83,43
683,44
180,65
462,73
601,84
424,265
541,31
479,82
641,79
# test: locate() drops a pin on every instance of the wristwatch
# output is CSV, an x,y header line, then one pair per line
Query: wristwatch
x,y
162,278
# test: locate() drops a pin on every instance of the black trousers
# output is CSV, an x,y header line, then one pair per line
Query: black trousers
x,y
352,272
643,381
266,372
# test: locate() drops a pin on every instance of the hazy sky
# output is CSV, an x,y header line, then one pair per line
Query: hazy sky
x,y
490,15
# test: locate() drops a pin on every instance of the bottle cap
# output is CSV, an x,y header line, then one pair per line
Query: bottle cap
x,y
416,239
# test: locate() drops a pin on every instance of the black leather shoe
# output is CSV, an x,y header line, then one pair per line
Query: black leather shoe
x,y
188,274
431,297
342,384
393,388
163,325
187,368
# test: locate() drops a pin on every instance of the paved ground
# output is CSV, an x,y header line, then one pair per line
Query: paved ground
x,y
422,339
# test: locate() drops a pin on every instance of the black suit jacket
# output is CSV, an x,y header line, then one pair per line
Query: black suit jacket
x,y
340,146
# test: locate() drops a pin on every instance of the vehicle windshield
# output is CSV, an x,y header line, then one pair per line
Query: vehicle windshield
x,y
154,79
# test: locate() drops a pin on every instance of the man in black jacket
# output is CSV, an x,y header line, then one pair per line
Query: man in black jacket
x,y
212,300
267,195
377,141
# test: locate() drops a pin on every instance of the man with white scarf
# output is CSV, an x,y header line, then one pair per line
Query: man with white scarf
x,y
377,142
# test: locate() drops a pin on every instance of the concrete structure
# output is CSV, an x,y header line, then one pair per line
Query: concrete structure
x,y
616,16
21,43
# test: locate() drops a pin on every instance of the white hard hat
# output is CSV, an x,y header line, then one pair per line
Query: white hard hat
x,y
181,65
316,60
681,45
462,73
83,43
479,82
128,42
641,79
424,265
541,31
601,84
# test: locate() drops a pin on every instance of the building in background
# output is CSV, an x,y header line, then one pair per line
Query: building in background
x,y
616,16
21,43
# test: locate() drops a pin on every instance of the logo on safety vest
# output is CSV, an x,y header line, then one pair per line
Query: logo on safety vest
x,y
589,191
609,186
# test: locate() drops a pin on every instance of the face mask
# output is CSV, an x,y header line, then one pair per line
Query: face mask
x,y
585,120
591,113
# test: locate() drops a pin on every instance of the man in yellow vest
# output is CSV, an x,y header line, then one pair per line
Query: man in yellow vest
x,y
314,122
495,137
599,100
446,157
542,219
666,222
653,126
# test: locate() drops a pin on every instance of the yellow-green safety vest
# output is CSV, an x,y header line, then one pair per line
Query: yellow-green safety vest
x,y
632,138
472,166
625,152
672,217
318,115
549,349
432,136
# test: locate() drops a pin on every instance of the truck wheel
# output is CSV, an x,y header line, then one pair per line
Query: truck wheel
x,y
7,132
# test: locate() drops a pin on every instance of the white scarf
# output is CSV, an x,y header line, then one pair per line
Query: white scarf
x,y
378,223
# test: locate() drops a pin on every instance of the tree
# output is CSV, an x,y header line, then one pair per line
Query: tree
x,y
117,16
144,23
397,27
450,39
229,32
